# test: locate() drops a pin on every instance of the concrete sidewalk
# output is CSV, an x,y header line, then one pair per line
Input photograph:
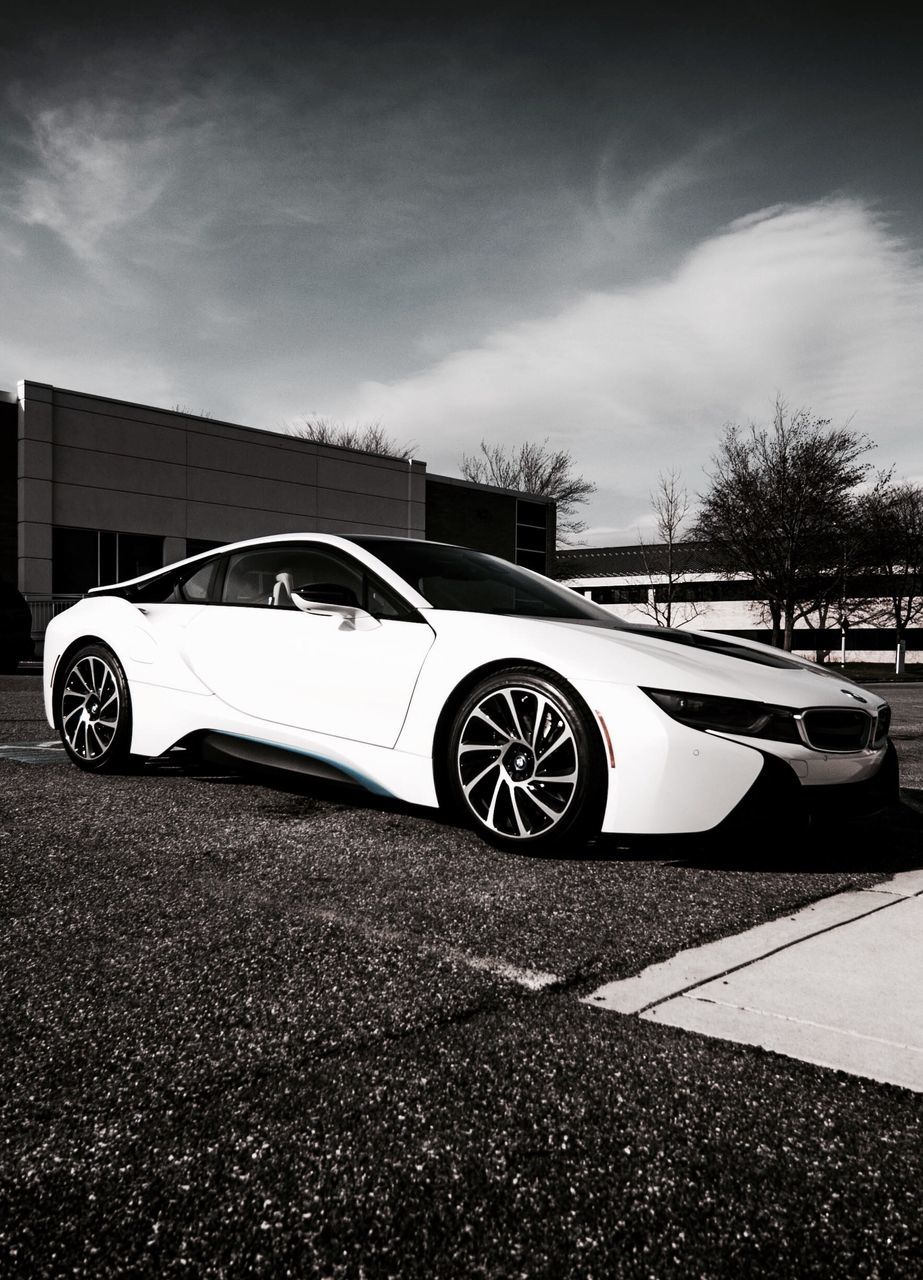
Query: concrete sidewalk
x,y
839,984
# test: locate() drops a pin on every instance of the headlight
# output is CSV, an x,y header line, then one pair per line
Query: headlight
x,y
728,715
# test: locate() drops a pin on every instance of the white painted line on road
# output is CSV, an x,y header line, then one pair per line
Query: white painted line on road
x,y
531,979
32,754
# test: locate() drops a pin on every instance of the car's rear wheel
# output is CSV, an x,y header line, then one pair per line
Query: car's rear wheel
x,y
525,763
93,711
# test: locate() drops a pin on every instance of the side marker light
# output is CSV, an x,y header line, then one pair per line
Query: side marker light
x,y
605,729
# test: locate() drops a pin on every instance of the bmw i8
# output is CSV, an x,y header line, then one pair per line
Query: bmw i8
x,y
449,678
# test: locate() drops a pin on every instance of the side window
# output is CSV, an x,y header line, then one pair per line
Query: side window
x,y
318,575
189,584
195,589
251,576
384,603
267,576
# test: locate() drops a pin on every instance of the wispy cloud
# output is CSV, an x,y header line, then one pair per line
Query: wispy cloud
x,y
818,301
90,176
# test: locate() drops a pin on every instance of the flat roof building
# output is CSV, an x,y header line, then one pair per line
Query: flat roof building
x,y
637,582
94,490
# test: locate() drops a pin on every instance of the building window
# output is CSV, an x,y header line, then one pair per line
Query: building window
x,y
619,595
198,546
84,558
705,592
136,553
532,534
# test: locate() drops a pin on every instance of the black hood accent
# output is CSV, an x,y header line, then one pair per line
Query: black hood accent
x,y
715,644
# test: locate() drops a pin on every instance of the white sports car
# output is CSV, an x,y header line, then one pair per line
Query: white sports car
x,y
446,677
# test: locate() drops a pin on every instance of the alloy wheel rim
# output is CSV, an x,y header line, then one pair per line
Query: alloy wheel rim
x,y
90,706
517,762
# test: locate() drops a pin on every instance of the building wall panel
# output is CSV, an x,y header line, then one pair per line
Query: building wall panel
x,y
119,437
388,513
81,506
257,493
379,476
125,474
219,523
263,459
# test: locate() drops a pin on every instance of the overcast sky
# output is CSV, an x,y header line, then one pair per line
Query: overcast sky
x,y
618,234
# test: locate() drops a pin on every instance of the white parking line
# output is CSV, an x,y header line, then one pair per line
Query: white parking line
x,y
32,753
531,979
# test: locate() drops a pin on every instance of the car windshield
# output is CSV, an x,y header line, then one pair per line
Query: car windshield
x,y
470,581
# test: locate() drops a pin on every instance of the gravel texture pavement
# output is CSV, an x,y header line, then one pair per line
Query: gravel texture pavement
x,y
245,1032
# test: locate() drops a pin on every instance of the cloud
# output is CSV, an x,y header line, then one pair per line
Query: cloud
x,y
90,176
817,301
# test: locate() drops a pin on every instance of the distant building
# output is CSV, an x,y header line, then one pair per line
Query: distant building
x,y
94,490
629,580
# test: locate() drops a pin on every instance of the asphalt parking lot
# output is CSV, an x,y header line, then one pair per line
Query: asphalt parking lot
x,y
252,1026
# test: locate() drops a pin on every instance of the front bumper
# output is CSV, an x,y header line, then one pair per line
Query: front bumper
x,y
777,799
665,778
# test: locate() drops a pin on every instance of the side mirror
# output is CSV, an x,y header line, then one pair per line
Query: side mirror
x,y
352,618
326,593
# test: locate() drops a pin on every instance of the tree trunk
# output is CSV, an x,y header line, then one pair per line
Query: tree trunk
x,y
776,616
789,626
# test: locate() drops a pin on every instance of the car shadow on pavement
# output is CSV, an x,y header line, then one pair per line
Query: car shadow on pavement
x,y
883,843
886,842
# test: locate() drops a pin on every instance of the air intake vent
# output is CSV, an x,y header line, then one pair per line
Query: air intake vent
x,y
832,730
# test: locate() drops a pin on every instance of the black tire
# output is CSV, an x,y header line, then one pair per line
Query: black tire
x,y
525,763
93,711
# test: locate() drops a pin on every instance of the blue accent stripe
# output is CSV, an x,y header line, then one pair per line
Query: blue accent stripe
x,y
375,787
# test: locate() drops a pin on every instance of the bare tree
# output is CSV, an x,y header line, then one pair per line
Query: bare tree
x,y
185,408
370,437
890,520
667,562
778,497
534,467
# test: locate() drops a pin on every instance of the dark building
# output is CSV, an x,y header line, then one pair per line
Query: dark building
x,y
95,490
503,522
8,484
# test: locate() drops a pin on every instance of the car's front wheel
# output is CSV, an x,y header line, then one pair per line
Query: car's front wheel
x,y
93,710
525,763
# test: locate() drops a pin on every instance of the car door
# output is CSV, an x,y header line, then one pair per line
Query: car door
x,y
266,658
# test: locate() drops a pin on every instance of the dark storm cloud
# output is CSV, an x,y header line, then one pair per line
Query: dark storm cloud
x,y
259,214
